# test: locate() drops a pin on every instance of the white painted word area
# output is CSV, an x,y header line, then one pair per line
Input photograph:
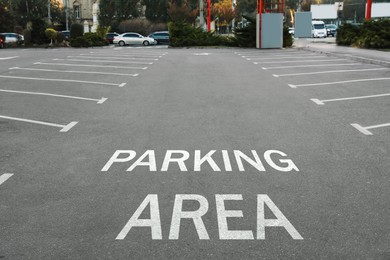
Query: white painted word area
x,y
153,224
180,159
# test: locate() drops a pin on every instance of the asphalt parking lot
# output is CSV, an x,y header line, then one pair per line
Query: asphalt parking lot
x,y
161,153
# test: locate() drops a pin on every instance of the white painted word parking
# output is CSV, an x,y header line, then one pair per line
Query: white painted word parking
x,y
180,159
153,224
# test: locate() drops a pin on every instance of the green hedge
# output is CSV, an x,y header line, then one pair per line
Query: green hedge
x,y
183,34
370,34
87,40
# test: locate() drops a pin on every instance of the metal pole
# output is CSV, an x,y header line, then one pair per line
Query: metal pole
x,y
201,18
48,11
66,15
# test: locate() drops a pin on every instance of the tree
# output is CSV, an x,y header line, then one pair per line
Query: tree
x,y
224,11
6,18
156,10
112,12
181,12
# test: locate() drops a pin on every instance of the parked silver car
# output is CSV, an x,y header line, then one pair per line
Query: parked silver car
x,y
133,38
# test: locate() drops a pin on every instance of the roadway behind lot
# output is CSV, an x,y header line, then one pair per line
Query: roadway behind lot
x,y
326,114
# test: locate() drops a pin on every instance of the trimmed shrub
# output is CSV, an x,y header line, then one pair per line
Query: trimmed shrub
x,y
246,36
51,34
27,37
60,37
288,39
94,39
371,34
76,30
79,42
347,34
182,34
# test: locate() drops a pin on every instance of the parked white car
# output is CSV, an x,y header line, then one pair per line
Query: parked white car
x,y
13,37
133,38
318,29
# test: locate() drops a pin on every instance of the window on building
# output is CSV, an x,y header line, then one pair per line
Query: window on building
x,y
76,10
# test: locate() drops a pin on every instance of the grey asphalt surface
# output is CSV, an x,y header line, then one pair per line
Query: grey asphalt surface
x,y
58,204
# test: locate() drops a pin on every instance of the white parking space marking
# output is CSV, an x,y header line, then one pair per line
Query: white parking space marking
x,y
321,102
336,82
65,80
99,101
281,57
265,52
64,128
309,66
325,72
4,177
149,55
300,61
74,71
92,66
109,58
363,129
134,53
110,61
9,58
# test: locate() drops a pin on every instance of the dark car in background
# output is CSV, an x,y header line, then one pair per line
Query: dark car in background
x,y
110,37
161,37
331,30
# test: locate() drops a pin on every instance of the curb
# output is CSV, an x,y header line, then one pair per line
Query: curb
x,y
347,56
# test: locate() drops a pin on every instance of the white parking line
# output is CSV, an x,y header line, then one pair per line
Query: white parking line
x,y
321,102
65,80
363,129
336,82
109,58
325,72
74,71
88,65
281,57
309,66
64,128
99,101
110,61
140,56
9,58
300,61
5,177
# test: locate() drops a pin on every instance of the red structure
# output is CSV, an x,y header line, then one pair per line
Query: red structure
x,y
368,11
208,15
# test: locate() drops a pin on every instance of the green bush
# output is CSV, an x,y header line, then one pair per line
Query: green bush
x,y
371,34
79,42
183,34
246,36
27,37
87,40
347,34
76,30
51,34
60,37
288,39
94,39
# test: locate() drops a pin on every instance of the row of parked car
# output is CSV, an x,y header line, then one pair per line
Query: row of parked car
x,y
320,29
128,38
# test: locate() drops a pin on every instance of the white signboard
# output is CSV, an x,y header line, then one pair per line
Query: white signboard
x,y
380,10
324,11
